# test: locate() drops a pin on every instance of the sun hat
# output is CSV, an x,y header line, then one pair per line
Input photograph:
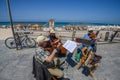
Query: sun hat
x,y
52,31
41,39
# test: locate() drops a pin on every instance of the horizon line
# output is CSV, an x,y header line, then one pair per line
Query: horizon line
x,y
68,22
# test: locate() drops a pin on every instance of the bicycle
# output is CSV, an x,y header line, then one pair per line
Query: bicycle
x,y
22,40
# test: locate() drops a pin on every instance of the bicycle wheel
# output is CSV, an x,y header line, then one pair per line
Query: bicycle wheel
x,y
30,42
10,43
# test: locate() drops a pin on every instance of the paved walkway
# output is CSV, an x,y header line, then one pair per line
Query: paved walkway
x,y
17,65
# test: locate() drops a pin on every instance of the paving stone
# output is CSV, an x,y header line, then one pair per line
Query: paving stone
x,y
17,65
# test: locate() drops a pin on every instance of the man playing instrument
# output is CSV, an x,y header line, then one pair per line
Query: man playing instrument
x,y
92,37
48,59
54,41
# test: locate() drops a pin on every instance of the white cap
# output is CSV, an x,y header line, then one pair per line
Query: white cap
x,y
41,39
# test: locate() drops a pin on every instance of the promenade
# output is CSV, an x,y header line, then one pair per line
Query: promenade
x,y
17,65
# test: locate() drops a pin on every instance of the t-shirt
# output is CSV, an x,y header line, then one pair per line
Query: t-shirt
x,y
86,36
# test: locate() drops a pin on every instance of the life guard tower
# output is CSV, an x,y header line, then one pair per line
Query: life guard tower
x,y
51,23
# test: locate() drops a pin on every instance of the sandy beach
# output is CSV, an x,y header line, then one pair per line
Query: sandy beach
x,y
5,33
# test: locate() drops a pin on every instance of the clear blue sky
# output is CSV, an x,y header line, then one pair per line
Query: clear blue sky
x,y
96,11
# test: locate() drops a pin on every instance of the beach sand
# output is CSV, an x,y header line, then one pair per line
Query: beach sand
x,y
63,34
5,33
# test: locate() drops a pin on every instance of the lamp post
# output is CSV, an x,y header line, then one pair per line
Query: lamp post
x,y
11,22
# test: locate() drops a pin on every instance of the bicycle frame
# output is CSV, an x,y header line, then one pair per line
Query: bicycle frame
x,y
23,38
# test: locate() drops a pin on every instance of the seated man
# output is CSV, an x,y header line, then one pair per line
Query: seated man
x,y
53,37
54,41
89,36
47,58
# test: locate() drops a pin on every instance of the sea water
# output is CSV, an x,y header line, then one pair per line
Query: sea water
x,y
58,24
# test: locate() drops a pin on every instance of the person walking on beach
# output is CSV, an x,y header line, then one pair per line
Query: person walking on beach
x,y
47,58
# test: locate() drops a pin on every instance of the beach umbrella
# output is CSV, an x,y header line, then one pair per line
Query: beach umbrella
x,y
37,26
19,26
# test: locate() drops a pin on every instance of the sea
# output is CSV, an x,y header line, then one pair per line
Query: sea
x,y
58,24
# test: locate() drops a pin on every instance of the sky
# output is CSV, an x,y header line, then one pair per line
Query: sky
x,y
93,11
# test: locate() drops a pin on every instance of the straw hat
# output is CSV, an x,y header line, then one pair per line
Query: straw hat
x,y
41,39
52,31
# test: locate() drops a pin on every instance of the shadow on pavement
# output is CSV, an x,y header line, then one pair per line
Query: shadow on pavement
x,y
70,61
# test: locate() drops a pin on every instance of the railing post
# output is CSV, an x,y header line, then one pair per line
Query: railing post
x,y
97,32
113,36
73,35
